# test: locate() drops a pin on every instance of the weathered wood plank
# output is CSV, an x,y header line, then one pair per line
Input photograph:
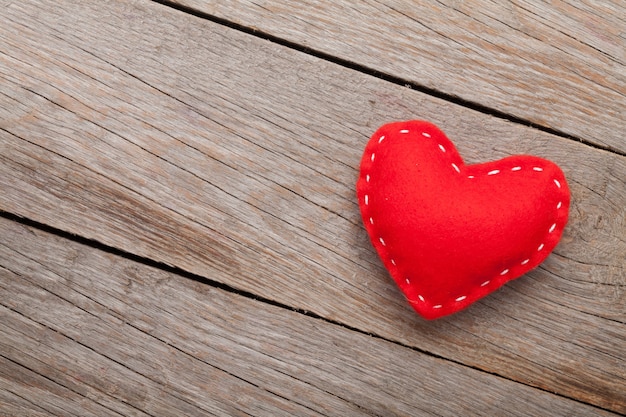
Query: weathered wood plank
x,y
38,394
14,405
235,159
132,339
559,64
113,368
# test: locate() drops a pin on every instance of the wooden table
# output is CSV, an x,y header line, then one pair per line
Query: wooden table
x,y
179,228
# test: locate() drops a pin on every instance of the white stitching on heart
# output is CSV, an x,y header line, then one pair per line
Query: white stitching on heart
x,y
457,169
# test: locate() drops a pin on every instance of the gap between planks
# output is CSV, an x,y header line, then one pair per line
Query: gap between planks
x,y
248,295
62,267
258,21
94,244
385,76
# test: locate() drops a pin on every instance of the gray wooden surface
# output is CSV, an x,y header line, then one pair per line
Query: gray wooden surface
x,y
560,65
166,139
147,342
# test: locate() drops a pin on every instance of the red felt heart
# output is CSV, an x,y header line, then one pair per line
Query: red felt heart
x,y
451,233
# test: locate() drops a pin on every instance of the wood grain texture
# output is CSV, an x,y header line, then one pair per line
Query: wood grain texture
x,y
233,158
559,64
89,333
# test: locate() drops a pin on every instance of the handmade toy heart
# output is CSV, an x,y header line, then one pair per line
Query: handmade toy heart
x,y
451,233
